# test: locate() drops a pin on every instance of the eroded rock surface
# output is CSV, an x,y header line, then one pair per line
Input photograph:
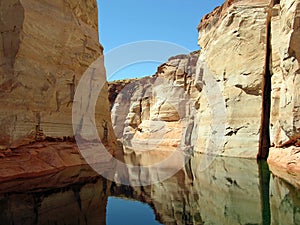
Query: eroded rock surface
x,y
233,40
285,114
220,98
226,96
285,94
155,111
46,46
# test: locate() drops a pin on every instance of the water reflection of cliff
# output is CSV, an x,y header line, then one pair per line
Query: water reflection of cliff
x,y
230,191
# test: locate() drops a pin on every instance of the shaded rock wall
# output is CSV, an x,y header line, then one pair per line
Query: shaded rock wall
x,y
74,196
46,46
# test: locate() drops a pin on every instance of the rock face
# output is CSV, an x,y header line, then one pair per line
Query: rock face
x,y
233,40
285,133
155,111
255,45
285,116
39,159
221,102
225,104
46,47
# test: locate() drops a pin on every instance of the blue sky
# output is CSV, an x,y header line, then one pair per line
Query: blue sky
x,y
126,21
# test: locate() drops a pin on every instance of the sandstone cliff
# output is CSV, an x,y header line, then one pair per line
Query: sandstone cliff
x,y
240,97
285,64
221,93
234,45
285,40
153,112
256,45
46,46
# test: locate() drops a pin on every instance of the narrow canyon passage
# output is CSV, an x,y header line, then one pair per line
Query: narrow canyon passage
x,y
162,135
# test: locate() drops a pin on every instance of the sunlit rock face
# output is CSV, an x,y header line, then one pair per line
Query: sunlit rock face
x,y
46,46
285,28
153,112
222,92
215,96
233,40
285,114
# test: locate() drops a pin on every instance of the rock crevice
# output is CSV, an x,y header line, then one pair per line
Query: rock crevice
x,y
264,137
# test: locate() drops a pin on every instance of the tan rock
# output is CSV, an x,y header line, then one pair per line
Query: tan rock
x,y
220,104
233,41
285,163
46,47
285,114
153,112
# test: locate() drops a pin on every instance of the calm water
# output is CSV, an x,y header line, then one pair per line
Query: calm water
x,y
230,191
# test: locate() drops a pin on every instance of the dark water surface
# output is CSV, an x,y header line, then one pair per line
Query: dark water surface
x,y
230,191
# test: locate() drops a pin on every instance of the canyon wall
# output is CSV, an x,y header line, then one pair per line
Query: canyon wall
x,y
237,95
285,39
219,94
46,46
152,112
252,48
234,45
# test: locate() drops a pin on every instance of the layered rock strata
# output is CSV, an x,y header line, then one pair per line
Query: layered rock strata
x,y
46,48
228,74
154,112
285,28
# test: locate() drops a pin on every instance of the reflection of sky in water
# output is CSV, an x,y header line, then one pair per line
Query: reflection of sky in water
x,y
120,211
